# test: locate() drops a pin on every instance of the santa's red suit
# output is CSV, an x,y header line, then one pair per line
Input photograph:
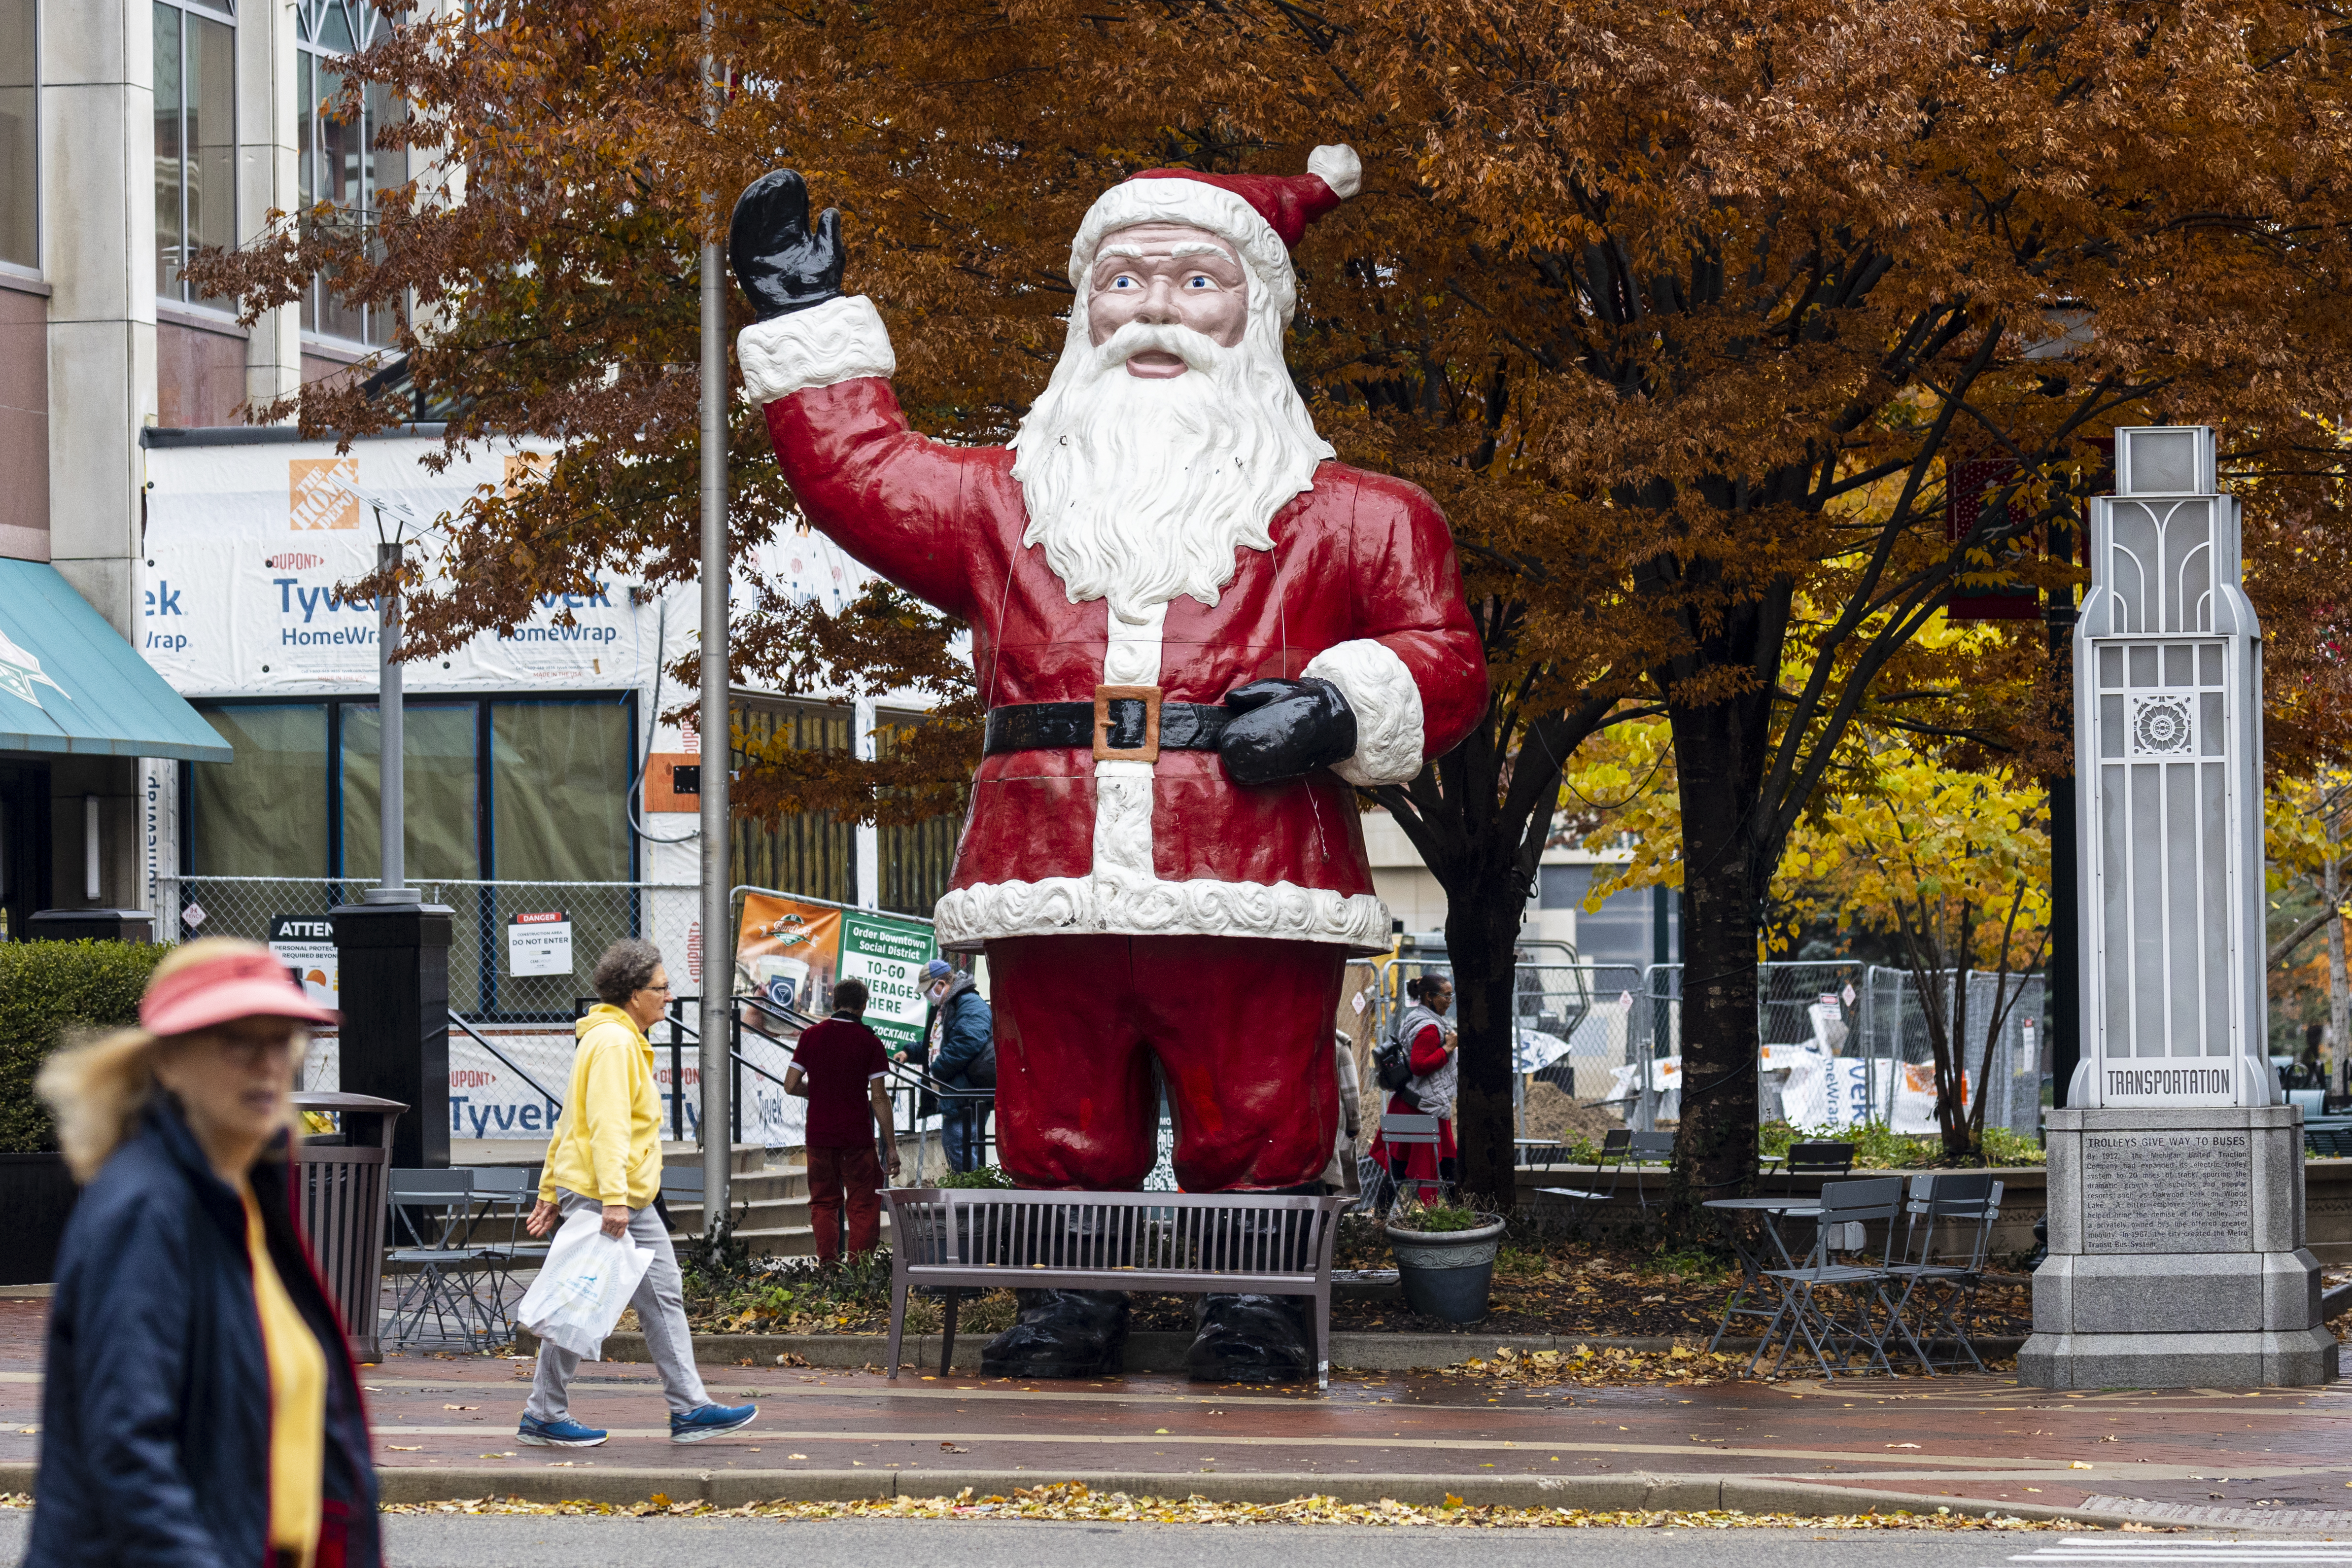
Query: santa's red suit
x,y
1131,910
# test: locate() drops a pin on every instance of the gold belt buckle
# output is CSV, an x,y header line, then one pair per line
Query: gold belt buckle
x,y
1105,722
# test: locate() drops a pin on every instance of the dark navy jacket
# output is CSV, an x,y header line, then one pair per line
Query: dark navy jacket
x,y
967,1058
155,1401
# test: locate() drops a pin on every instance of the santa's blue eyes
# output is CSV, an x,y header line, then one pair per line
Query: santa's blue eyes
x,y
1197,281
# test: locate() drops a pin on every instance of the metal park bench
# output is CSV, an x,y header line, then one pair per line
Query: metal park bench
x,y
984,1239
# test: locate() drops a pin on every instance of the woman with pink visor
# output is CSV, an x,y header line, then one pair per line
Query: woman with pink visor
x,y
199,1406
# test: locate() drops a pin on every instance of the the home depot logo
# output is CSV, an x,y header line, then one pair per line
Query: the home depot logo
x,y
320,494
294,560
526,467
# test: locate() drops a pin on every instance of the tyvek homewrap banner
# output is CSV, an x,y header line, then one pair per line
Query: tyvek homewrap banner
x,y
245,543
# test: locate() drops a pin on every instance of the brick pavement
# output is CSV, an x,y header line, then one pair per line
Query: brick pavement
x,y
1982,1438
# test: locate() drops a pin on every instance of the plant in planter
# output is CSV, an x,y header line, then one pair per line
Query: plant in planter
x,y
1445,1257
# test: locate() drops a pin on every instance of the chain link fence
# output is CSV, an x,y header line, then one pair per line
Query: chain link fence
x,y
1843,1042
490,980
1897,1034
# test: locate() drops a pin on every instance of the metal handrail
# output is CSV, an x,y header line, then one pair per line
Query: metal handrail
x,y
742,1060
793,1015
512,1066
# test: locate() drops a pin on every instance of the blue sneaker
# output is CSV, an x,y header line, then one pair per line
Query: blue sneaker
x,y
564,1434
710,1421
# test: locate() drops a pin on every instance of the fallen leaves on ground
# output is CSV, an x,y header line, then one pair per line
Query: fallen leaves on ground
x,y
1073,1501
1585,1366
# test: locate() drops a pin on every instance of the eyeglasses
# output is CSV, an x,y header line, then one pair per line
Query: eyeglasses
x,y
248,1051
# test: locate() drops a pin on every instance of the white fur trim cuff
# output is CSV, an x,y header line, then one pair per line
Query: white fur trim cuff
x,y
1340,167
838,340
1381,690
1088,906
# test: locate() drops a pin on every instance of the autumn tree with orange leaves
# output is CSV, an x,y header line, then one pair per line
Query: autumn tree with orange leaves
x,y
1683,314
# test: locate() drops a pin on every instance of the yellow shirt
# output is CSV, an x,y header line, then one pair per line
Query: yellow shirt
x,y
607,1141
297,1403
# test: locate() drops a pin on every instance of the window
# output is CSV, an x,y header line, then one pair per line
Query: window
x,y
264,814
20,167
531,789
560,771
195,136
336,158
438,784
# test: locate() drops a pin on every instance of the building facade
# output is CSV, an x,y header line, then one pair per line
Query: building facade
x,y
133,132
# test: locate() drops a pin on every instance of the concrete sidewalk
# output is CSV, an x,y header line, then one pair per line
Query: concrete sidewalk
x,y
445,1428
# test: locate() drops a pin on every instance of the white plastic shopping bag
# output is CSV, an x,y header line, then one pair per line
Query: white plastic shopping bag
x,y
584,1286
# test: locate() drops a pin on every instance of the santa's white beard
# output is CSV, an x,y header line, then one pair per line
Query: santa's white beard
x,y
1139,489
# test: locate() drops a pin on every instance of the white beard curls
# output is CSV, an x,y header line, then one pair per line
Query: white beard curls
x,y
1141,489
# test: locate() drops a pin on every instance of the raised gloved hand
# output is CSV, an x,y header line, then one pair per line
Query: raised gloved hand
x,y
778,264
1282,728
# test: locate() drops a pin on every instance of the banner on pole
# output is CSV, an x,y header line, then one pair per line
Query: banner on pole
x,y
788,952
888,954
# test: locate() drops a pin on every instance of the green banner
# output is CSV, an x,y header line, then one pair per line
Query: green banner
x,y
888,954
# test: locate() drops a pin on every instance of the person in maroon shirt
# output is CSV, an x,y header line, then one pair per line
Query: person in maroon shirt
x,y
838,1068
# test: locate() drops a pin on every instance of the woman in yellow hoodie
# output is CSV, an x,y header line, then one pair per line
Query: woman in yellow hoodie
x,y
607,1153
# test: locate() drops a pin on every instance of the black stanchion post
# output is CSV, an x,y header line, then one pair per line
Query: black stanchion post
x,y
2064,989
394,990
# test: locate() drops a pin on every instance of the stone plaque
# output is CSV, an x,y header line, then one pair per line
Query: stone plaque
x,y
2167,1191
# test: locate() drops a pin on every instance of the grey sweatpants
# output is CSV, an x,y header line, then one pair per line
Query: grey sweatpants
x,y
660,1303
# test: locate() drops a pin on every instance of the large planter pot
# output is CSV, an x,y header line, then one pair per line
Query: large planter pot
x,y
36,1193
1446,1273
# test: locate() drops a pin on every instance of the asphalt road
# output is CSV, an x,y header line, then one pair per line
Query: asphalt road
x,y
556,1542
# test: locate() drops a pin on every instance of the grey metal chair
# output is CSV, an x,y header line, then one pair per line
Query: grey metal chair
x,y
1620,1148
1847,1210
1950,1217
1399,1130
503,1197
1821,1159
431,1213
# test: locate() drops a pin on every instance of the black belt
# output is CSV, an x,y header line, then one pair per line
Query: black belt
x,y
1123,723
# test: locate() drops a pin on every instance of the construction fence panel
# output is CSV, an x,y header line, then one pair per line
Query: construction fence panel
x,y
1607,1036
2003,1032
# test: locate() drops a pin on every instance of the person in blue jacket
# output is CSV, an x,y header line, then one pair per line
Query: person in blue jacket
x,y
962,1038
199,1408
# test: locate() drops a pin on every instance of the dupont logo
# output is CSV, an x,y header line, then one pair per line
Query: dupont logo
x,y
294,560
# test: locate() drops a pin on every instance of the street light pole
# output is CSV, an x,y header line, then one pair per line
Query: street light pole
x,y
392,821
717,949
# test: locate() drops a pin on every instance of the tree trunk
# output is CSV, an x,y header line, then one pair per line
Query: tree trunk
x,y
1719,750
2339,993
1482,933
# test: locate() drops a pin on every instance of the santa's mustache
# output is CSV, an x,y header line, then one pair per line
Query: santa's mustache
x,y
1197,350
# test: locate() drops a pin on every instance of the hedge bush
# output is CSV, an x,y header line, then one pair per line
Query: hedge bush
x,y
46,989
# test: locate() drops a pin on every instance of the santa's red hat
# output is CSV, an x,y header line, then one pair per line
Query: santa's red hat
x,y
1262,215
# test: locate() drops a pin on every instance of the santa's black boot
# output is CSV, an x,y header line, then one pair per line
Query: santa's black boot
x,y
1061,1333
1249,1338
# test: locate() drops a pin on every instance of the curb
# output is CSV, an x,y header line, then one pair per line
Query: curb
x,y
733,1488
1149,1351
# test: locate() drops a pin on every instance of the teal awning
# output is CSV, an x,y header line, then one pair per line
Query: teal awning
x,y
69,683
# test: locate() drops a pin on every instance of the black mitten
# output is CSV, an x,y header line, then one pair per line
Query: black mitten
x,y
780,265
1282,729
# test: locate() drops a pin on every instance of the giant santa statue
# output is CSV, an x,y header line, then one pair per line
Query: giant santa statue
x,y
1194,631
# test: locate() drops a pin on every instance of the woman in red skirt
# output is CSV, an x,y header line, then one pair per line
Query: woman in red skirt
x,y
1430,1092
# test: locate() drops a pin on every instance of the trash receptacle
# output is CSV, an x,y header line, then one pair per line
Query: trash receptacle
x,y
342,1175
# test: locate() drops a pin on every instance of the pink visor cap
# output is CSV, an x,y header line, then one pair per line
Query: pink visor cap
x,y
233,985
